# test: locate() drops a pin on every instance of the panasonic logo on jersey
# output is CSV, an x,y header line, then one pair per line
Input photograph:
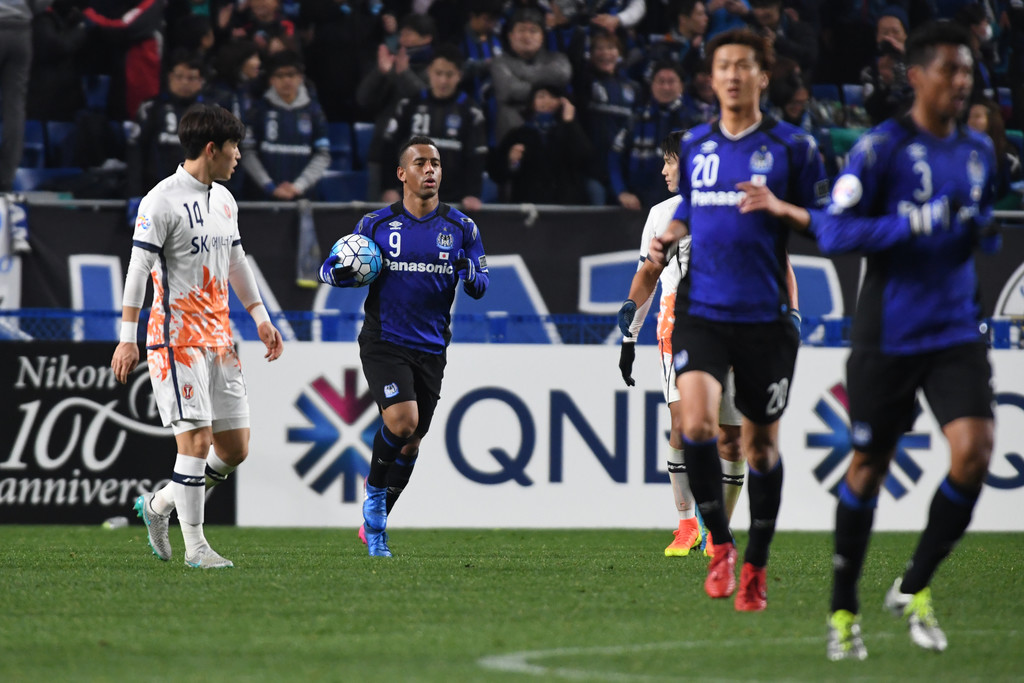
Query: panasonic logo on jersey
x,y
418,267
719,198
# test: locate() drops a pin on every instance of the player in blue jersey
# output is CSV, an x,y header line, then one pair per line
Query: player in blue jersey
x,y
428,248
916,199
745,181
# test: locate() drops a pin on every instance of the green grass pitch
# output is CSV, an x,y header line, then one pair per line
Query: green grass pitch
x,y
86,603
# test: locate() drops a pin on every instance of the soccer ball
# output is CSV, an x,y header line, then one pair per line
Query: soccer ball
x,y
362,254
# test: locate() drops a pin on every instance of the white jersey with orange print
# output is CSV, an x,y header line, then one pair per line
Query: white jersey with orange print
x,y
191,227
675,270
195,372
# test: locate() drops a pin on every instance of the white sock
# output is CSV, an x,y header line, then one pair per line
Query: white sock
x,y
163,500
680,484
732,483
217,470
188,485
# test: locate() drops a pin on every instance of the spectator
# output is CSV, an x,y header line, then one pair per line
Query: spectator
x,y
287,146
153,151
55,87
262,22
635,161
235,78
886,90
125,41
544,161
480,44
452,120
399,74
789,37
985,117
976,19
15,60
685,42
525,65
725,15
605,98
340,51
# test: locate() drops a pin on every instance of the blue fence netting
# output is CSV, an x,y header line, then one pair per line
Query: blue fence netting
x,y
49,324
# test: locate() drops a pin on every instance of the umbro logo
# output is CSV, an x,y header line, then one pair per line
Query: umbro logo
x,y
395,225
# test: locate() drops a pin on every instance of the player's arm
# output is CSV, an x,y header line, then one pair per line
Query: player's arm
x,y
126,355
794,296
471,264
838,231
244,283
760,198
661,245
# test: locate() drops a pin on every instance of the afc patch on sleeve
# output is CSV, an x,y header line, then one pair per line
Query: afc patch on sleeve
x,y
482,261
821,190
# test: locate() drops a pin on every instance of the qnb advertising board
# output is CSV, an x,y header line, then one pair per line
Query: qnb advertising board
x,y
549,436
77,447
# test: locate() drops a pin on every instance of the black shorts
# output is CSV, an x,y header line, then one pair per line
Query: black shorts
x,y
883,391
397,373
762,355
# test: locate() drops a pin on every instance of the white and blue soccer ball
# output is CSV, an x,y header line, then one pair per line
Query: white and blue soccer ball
x,y
362,254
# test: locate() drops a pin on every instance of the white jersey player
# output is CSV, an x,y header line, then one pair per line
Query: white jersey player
x,y
186,238
631,319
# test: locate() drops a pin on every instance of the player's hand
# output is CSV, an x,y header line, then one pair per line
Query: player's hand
x,y
626,355
336,276
271,338
465,268
471,203
758,197
626,314
630,201
797,320
126,358
930,217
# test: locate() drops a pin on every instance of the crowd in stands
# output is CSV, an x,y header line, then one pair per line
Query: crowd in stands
x,y
543,101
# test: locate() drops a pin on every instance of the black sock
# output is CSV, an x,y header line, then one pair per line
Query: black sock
x,y
705,473
386,447
765,493
948,518
398,477
854,518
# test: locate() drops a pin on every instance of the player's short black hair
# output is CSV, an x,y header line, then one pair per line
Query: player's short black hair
x,y
414,140
670,143
284,59
922,43
450,53
204,123
763,52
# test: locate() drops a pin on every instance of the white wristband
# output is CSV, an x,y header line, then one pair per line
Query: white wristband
x,y
259,314
129,332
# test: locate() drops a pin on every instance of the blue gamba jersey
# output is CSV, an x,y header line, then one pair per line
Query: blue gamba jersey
x,y
410,303
918,294
738,261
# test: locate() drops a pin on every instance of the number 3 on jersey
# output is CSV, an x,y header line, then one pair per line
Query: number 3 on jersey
x,y
705,171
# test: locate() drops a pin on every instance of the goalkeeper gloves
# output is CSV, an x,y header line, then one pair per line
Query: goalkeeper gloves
x,y
465,268
797,320
626,356
336,276
626,314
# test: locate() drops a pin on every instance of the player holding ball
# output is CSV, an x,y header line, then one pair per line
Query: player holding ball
x,y
428,247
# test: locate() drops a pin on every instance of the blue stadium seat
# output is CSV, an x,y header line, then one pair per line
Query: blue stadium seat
x,y
363,135
37,179
825,92
60,143
853,94
343,186
33,153
97,89
341,146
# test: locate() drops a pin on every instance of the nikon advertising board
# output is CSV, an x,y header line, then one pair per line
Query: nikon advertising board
x,y
77,447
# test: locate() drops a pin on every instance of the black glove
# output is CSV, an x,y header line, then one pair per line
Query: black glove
x,y
464,267
626,314
626,355
336,276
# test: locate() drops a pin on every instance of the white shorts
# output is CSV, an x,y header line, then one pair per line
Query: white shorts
x,y
727,412
200,386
